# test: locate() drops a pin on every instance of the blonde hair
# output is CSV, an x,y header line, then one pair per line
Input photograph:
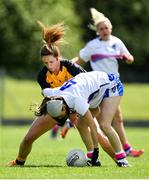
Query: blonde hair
x,y
52,38
98,17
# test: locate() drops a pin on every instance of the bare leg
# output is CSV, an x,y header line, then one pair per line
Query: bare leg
x,y
105,144
119,126
108,110
102,139
40,126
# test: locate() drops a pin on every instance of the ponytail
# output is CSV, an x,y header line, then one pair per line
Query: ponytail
x,y
52,38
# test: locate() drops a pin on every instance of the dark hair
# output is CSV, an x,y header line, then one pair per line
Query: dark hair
x,y
52,37
41,110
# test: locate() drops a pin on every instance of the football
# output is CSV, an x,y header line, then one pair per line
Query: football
x,y
76,158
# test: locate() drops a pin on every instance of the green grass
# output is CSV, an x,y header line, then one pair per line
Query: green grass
x,y
47,159
19,95
135,101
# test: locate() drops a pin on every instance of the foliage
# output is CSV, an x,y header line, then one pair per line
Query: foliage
x,y
130,24
47,159
21,37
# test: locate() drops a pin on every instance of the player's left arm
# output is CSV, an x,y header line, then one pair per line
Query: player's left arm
x,y
88,119
78,61
129,59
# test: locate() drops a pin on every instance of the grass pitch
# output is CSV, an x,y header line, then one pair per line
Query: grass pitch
x,y
47,159
18,95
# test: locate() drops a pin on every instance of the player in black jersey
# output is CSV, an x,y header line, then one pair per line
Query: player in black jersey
x,y
55,72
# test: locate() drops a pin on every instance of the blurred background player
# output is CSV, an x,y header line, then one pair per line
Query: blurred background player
x,y
103,53
64,130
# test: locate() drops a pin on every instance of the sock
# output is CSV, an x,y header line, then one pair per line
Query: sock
x,y
55,128
127,148
20,162
69,124
119,156
89,154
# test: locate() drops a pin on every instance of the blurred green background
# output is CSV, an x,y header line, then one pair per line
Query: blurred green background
x,y
22,96
20,42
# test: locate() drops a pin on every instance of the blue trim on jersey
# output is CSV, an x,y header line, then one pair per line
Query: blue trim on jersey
x,y
104,84
106,94
94,93
91,96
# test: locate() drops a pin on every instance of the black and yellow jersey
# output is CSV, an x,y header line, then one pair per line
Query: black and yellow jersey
x,y
47,79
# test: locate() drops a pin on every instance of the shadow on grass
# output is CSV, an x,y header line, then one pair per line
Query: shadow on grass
x,y
46,166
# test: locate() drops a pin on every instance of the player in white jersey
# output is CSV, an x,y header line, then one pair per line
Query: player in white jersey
x,y
82,91
103,53
89,90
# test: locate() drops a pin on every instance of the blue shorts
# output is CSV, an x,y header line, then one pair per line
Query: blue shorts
x,y
116,90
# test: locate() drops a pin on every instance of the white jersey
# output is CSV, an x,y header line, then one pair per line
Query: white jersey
x,y
103,55
85,90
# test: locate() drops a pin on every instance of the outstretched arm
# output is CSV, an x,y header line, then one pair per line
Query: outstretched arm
x,y
88,119
78,60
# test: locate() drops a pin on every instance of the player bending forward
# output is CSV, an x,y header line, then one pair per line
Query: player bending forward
x,y
89,90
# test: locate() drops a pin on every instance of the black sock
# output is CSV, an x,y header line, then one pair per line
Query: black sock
x,y
20,162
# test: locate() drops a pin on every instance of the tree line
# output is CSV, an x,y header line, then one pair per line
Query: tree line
x,y
21,37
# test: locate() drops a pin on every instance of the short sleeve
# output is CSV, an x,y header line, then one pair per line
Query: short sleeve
x,y
81,106
85,53
123,49
41,78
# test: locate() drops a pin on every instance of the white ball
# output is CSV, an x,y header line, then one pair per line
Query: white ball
x,y
77,158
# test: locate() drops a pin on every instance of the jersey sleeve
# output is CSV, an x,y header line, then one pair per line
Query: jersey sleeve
x,y
50,92
85,54
123,49
81,106
41,79
72,68
78,104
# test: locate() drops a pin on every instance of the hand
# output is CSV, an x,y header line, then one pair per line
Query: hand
x,y
128,58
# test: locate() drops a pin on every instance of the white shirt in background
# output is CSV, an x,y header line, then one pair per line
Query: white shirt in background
x,y
86,90
103,55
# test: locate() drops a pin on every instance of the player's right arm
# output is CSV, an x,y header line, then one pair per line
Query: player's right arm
x,y
78,61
